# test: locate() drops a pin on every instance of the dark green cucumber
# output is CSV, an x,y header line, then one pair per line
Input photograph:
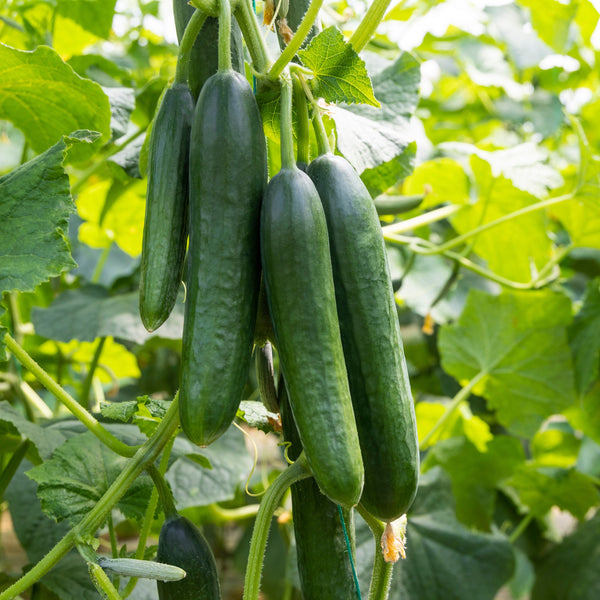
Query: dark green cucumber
x,y
373,350
204,58
301,297
228,173
166,225
265,376
180,543
324,563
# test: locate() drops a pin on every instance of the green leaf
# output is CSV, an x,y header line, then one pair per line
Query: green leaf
x,y
369,137
385,175
195,485
525,236
89,313
257,416
570,571
444,558
119,411
340,74
46,99
36,203
517,343
78,474
45,440
584,338
585,413
541,488
475,475
37,534
555,448
94,16
552,20
444,180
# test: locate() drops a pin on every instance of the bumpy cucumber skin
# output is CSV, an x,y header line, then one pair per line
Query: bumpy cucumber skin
x,y
181,543
299,284
323,561
228,174
204,58
166,223
373,350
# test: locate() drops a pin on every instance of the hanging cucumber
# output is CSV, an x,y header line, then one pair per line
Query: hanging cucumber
x,y
324,564
373,351
299,283
228,172
204,59
165,224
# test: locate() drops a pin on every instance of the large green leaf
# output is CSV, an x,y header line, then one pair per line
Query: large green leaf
x,y
369,136
514,248
541,488
475,475
36,204
445,560
37,534
444,180
94,16
584,337
570,571
552,20
78,474
90,312
340,74
46,99
517,344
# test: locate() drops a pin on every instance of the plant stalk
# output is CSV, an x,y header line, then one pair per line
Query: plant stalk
x,y
224,36
65,398
295,472
187,43
367,27
259,53
288,160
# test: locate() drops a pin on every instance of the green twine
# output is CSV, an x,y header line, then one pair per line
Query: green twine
x,y
348,546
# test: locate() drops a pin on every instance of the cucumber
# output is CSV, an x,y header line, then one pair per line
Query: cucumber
x,y
204,57
265,376
324,563
301,298
165,225
373,350
228,174
180,543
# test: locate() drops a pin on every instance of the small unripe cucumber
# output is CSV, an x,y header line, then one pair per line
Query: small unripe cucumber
x,y
204,58
373,350
228,173
299,284
180,543
166,224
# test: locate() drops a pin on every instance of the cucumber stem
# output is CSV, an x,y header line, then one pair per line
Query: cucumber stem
x,y
224,36
295,472
102,582
84,397
297,40
360,38
322,139
65,398
190,34
381,577
12,466
288,160
259,53
164,493
302,122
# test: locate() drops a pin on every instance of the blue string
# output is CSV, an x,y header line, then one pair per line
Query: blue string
x,y
348,546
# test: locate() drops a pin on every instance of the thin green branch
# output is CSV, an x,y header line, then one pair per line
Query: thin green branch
x,y
288,161
190,34
320,132
84,397
432,216
520,528
297,40
67,400
101,262
224,36
295,472
13,464
102,582
463,394
369,23
259,53
302,122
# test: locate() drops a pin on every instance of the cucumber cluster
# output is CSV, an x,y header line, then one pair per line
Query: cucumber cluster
x,y
327,304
